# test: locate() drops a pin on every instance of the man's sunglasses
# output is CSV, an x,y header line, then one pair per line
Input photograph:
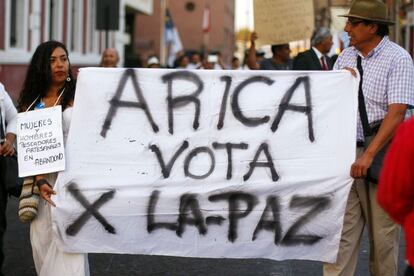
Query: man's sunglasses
x,y
353,22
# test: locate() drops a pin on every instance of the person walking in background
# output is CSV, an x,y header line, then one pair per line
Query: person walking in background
x,y
49,82
110,58
279,61
396,186
181,62
387,88
210,62
235,63
195,61
219,65
153,62
8,117
316,57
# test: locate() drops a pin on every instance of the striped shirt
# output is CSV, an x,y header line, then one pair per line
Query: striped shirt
x,y
388,78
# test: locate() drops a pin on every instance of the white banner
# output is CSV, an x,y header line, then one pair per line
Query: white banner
x,y
204,163
40,141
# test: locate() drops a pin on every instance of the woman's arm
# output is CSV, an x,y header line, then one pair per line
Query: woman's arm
x,y
251,58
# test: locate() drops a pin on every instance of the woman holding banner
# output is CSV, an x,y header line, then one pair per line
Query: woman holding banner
x,y
49,82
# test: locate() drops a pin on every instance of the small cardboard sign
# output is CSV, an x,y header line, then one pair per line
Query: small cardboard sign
x,y
40,141
286,21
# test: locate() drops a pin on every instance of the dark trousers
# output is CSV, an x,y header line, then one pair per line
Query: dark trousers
x,y
409,271
3,221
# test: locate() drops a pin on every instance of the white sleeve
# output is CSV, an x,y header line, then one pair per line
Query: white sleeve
x,y
10,113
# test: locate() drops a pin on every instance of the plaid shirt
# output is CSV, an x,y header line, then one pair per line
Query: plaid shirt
x,y
388,78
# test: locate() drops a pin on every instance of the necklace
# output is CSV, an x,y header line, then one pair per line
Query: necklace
x,y
41,103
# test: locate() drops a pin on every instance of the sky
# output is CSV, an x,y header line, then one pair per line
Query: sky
x,y
244,14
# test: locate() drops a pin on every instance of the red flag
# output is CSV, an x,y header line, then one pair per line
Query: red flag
x,y
206,20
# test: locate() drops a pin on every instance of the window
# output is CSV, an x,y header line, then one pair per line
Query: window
x,y
190,6
17,28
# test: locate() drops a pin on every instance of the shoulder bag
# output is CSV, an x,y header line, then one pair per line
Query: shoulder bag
x,y
374,171
29,200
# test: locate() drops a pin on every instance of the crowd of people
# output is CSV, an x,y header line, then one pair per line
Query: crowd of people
x,y
386,91
316,58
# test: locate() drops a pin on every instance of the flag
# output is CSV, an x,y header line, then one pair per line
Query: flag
x,y
206,20
172,39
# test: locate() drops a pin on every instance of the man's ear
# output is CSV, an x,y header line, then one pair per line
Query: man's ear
x,y
373,28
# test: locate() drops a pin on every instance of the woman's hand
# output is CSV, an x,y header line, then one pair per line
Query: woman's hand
x,y
46,191
6,148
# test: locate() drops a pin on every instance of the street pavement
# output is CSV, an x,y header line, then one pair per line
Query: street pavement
x,y
19,260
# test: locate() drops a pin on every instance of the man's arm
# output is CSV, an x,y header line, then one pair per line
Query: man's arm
x,y
393,118
220,62
251,58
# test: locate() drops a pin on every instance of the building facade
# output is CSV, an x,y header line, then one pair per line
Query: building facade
x,y
25,24
405,25
188,17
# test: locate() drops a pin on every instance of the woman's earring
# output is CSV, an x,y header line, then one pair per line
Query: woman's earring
x,y
68,79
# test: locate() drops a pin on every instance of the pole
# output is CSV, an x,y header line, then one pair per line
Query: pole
x,y
246,35
163,8
397,21
206,42
106,26
329,14
206,35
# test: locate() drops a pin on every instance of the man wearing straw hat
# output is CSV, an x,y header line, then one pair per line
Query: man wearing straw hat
x,y
387,89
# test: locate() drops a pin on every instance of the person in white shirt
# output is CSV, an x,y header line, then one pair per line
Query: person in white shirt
x,y
8,116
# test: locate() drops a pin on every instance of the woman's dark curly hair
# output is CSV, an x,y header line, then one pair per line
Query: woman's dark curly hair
x,y
39,77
